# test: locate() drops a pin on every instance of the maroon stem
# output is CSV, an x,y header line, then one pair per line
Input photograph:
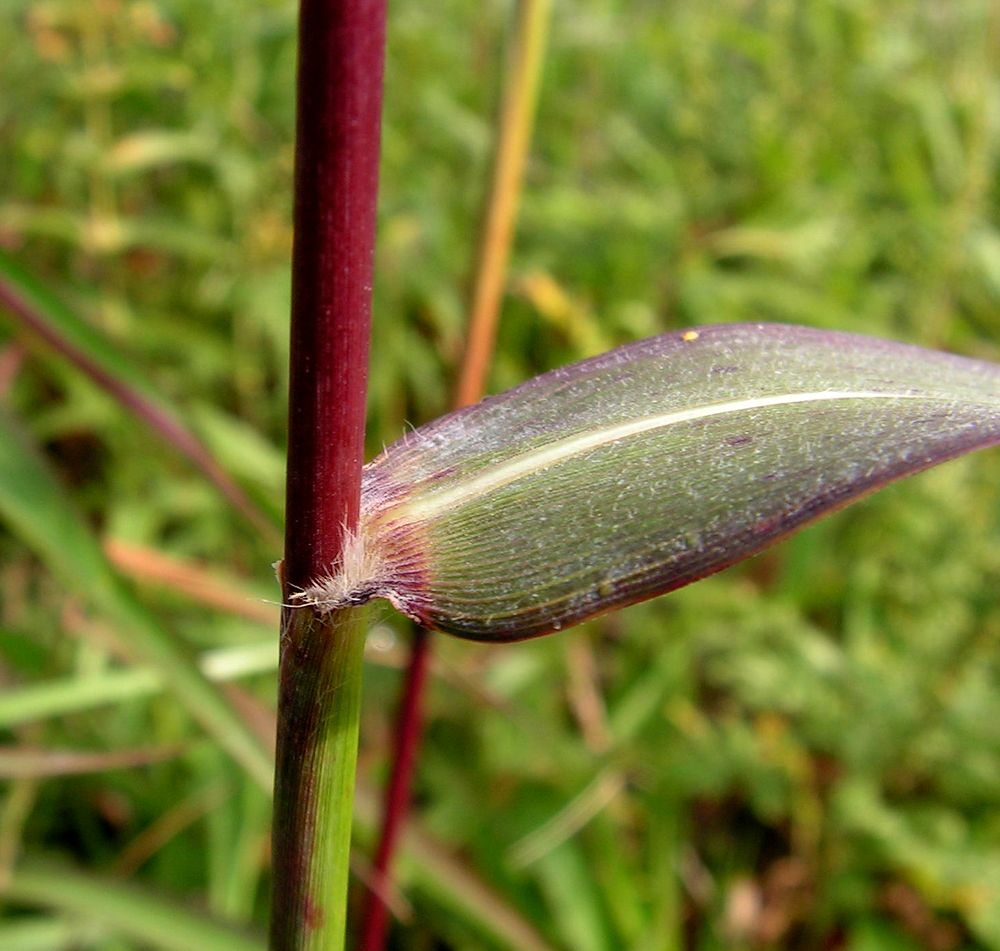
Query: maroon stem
x,y
409,726
341,57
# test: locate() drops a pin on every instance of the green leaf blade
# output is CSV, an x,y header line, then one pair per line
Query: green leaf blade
x,y
35,506
627,476
135,914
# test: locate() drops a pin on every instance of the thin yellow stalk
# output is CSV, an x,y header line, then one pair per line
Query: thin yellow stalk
x,y
516,122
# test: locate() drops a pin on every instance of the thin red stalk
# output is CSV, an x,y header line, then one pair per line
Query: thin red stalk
x,y
514,135
396,802
341,53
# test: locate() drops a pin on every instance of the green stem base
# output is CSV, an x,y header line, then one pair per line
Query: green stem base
x,y
319,704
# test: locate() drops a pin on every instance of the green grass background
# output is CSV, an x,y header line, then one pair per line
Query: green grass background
x,y
800,753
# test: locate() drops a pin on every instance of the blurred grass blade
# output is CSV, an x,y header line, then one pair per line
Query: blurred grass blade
x,y
517,119
34,504
49,934
193,580
153,921
29,763
48,318
432,869
626,476
53,698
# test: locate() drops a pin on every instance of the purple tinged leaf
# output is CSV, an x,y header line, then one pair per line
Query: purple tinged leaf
x,y
623,477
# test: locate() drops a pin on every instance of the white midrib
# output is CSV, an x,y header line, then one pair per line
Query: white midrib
x,y
541,458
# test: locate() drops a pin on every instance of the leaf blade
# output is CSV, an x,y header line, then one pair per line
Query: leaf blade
x,y
624,477
129,911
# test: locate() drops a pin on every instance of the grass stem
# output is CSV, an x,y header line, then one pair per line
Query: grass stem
x,y
341,57
313,808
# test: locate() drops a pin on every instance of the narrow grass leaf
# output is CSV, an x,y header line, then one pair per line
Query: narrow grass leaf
x,y
622,477
149,919
433,870
41,312
29,763
35,505
49,934
53,698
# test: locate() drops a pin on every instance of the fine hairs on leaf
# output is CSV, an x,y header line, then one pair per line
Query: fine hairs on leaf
x,y
359,576
631,474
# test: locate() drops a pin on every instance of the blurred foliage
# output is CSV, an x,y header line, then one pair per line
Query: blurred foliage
x,y
801,753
